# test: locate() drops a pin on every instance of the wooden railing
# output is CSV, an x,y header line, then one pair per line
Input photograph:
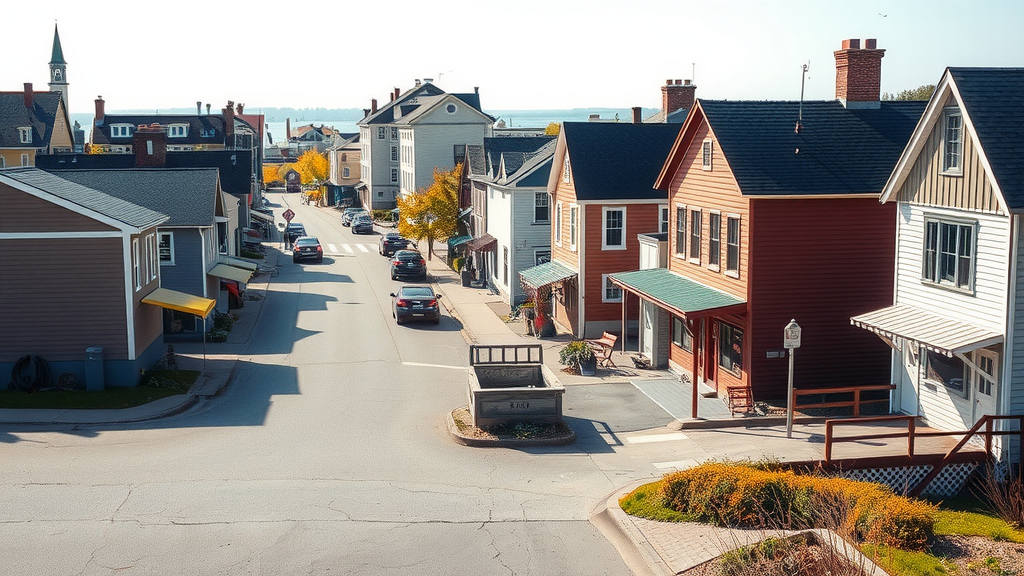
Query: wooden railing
x,y
855,403
506,354
911,433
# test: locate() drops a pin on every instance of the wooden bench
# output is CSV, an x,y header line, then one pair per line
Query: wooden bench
x,y
603,348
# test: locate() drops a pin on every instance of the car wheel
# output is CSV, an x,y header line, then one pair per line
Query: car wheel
x,y
399,321
438,321
393,277
294,260
320,260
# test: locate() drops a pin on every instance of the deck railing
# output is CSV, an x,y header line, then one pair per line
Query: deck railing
x,y
506,354
856,403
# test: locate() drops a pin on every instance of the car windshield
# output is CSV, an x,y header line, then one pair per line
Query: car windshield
x,y
394,236
417,292
296,228
407,255
307,242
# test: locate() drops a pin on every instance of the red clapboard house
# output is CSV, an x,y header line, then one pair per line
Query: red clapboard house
x,y
774,218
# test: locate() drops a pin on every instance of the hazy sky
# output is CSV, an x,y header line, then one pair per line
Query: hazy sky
x,y
523,54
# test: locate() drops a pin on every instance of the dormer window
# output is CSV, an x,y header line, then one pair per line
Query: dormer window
x,y
177,131
952,141
25,135
706,154
121,130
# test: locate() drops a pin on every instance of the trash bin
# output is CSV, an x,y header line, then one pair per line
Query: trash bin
x,y
94,379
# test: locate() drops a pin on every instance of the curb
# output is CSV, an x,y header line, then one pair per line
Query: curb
x,y
633,547
459,438
752,422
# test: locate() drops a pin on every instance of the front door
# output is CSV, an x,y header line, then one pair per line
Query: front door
x,y
984,385
908,378
709,351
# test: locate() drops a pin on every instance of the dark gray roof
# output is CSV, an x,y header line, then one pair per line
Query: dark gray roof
x,y
198,125
617,160
386,114
534,169
111,206
186,195
40,117
475,161
993,99
837,151
495,148
414,108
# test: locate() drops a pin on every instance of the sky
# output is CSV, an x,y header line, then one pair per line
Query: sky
x,y
523,55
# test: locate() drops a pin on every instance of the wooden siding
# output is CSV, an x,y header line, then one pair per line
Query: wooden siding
x,y
819,261
188,274
45,314
23,212
927,185
696,188
640,218
566,194
149,325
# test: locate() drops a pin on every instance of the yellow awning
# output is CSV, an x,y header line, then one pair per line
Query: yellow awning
x,y
230,273
180,301
237,263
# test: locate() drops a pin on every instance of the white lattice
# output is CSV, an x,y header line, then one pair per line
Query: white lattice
x,y
951,480
903,479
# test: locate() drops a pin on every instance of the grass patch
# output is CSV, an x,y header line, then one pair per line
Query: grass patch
x,y
156,384
952,522
906,562
646,502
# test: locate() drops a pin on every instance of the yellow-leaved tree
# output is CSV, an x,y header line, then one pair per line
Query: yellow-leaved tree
x,y
553,129
313,167
283,169
432,213
270,175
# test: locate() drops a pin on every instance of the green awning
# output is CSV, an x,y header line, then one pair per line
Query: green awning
x,y
546,273
674,292
458,241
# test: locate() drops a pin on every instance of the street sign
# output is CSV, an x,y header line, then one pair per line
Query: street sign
x,y
288,215
791,335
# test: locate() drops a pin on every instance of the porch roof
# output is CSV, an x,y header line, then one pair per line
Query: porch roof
x,y
180,301
229,272
546,273
674,292
936,332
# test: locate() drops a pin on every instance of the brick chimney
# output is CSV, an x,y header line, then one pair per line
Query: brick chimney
x,y
373,106
677,95
398,93
229,119
859,74
29,95
287,129
150,145
99,111
239,108
637,112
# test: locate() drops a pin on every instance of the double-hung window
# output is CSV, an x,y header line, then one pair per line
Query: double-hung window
x,y
695,230
681,231
573,209
949,253
952,142
714,240
558,223
165,246
611,292
732,248
681,336
730,347
25,135
382,133
614,233
706,155
540,207
394,153
136,264
152,264
663,219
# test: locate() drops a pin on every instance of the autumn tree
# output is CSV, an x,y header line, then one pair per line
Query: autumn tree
x,y
270,174
923,92
313,167
432,213
283,169
553,129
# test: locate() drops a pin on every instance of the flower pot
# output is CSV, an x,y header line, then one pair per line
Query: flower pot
x,y
588,366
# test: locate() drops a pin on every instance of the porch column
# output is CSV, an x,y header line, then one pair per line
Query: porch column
x,y
625,300
695,347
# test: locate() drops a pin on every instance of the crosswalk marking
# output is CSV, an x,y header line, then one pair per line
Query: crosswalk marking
x,y
362,247
348,249
657,438
334,249
678,464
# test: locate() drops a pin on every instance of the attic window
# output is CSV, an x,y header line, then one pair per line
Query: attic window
x,y
706,155
177,131
565,170
25,135
121,130
451,108
952,142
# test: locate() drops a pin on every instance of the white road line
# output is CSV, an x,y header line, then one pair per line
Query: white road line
x,y
657,438
678,464
362,247
348,248
334,249
434,366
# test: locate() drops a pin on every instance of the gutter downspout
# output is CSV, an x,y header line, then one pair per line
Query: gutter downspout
x,y
581,238
1004,402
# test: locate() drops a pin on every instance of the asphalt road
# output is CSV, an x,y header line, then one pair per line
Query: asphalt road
x,y
328,454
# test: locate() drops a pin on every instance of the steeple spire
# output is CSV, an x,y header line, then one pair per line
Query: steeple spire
x,y
58,68
58,54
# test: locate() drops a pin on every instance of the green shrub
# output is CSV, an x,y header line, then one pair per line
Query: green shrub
x,y
250,254
382,216
458,263
218,335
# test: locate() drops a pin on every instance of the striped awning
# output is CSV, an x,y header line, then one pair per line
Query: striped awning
x,y
180,301
237,262
934,331
546,273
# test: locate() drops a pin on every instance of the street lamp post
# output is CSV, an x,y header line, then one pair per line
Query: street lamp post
x,y
790,341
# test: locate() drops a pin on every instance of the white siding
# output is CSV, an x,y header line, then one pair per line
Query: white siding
x,y
434,146
527,235
499,225
1014,364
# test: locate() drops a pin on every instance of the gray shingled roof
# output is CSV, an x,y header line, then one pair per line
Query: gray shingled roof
x,y
993,99
186,195
198,125
41,117
475,161
617,160
837,151
535,168
114,207
386,114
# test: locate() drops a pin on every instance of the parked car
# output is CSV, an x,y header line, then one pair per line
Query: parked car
x,y
294,230
392,242
350,213
415,303
408,264
306,247
362,225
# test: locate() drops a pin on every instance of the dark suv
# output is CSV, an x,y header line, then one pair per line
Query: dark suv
x,y
408,264
294,230
392,242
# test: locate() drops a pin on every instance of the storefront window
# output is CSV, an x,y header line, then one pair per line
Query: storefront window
x,y
730,348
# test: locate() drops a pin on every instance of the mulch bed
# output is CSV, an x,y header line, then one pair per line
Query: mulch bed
x,y
464,423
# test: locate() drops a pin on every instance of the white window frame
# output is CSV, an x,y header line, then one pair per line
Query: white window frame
x,y
170,246
663,219
735,273
537,196
3,162
558,223
573,225
538,251
25,135
394,133
963,390
682,216
25,160
394,175
707,154
605,210
716,266
136,265
952,142
394,153
696,239
608,288
177,130
565,169
382,133
151,257
121,130
935,277
345,172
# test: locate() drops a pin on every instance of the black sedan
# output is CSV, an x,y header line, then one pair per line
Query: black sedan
x,y
415,303
307,247
392,242
408,264
294,231
362,225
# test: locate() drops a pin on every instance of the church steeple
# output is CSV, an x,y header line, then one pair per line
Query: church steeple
x,y
58,68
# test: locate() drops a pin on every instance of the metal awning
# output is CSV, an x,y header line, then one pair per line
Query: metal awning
x,y
180,301
676,293
482,243
936,332
230,273
546,273
261,216
237,263
458,241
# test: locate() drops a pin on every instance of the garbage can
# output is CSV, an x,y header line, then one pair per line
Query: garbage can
x,y
94,379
